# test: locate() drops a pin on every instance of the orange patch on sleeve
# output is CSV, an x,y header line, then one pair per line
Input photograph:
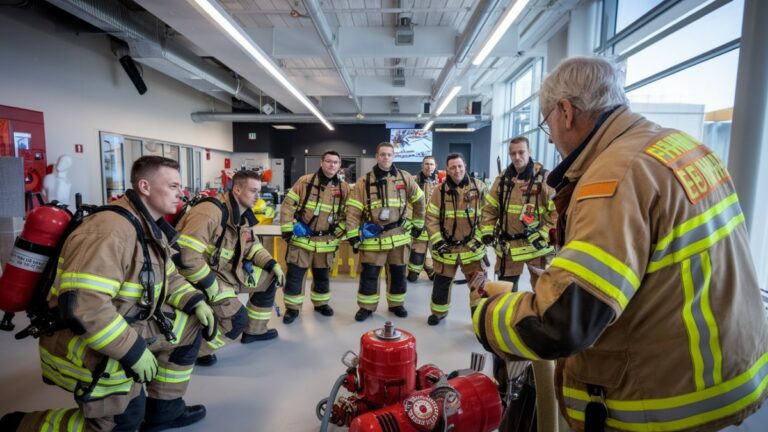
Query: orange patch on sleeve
x,y
597,190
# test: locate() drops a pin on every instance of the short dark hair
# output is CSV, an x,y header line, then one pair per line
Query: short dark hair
x,y
453,156
384,144
146,166
330,152
428,157
518,139
242,176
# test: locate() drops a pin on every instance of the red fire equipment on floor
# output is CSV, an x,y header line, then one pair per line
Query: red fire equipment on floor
x,y
389,394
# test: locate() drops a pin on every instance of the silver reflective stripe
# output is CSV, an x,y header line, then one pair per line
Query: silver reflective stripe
x,y
599,268
661,415
697,274
503,329
699,233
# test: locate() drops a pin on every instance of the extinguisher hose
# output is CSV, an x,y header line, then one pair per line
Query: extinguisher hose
x,y
330,401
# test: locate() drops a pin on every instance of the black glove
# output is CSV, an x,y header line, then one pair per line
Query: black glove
x,y
535,238
287,235
355,243
488,239
441,247
416,231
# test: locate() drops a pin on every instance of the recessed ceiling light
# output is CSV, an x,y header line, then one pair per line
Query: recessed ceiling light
x,y
284,127
454,129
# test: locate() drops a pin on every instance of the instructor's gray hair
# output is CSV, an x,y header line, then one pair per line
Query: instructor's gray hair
x,y
591,84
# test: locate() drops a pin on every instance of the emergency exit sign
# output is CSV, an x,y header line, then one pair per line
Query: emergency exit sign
x,y
251,135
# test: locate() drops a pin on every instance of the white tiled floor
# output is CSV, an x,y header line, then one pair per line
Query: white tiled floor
x,y
275,385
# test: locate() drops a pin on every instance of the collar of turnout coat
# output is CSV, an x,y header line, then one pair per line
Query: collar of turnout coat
x,y
158,227
380,173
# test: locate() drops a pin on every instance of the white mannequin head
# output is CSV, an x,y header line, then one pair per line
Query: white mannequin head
x,y
63,164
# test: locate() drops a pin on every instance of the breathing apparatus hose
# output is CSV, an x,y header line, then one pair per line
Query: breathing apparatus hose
x,y
329,402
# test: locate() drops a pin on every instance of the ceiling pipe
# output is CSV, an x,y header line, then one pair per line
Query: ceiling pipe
x,y
477,22
145,40
334,118
326,35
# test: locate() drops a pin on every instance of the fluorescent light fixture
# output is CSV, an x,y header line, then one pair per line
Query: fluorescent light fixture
x,y
444,104
501,27
284,127
468,129
219,15
428,125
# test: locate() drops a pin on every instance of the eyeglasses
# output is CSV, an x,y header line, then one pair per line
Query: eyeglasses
x,y
543,125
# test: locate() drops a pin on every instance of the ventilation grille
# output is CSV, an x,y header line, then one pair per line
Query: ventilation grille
x,y
388,423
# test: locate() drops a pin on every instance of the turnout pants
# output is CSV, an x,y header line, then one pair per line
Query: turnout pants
x,y
419,260
441,287
234,318
372,261
299,260
125,412
513,269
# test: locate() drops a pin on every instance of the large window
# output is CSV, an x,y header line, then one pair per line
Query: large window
x,y
521,116
118,152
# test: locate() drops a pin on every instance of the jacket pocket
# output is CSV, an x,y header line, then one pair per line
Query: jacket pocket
x,y
605,368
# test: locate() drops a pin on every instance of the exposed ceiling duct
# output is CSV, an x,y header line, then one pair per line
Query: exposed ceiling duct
x,y
149,45
326,35
336,118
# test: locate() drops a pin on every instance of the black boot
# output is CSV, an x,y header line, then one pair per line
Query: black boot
x,y
434,320
206,360
290,316
268,335
324,310
168,414
412,276
362,314
400,311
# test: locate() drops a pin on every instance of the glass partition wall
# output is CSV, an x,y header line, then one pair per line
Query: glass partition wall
x,y
118,152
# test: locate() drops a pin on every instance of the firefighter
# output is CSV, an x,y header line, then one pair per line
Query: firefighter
x,y
652,306
378,229
518,215
128,317
453,223
220,255
312,216
418,262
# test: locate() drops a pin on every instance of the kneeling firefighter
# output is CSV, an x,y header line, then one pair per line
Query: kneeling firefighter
x,y
453,217
312,217
378,228
119,315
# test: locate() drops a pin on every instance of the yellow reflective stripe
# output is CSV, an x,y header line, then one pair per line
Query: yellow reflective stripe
x,y
504,334
190,242
89,281
69,384
311,205
435,237
679,412
173,376
200,274
699,322
179,324
108,334
697,233
223,294
256,248
319,246
386,243
418,223
75,350
76,421
292,195
476,316
317,297
526,253
417,196
599,268
460,213
351,202
258,315
217,341
175,298
396,298
368,299
486,230
391,202
353,233
286,227
131,290
224,253
491,201
52,420
293,299
170,267
440,308
66,368
433,209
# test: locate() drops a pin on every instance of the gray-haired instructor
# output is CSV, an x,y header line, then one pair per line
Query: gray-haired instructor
x,y
652,306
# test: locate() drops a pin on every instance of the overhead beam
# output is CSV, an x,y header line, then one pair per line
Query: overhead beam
x,y
380,42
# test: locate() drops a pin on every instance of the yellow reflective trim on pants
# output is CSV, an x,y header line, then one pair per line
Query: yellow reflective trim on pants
x,y
316,246
217,341
385,243
679,412
89,281
258,315
293,299
368,299
396,298
108,334
440,308
506,336
173,376
319,297
697,233
189,242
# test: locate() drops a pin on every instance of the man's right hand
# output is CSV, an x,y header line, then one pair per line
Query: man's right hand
x,y
488,239
145,368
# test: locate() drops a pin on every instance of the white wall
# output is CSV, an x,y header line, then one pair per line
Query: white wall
x,y
81,89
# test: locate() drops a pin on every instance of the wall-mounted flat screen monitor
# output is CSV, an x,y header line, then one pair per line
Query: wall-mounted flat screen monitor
x,y
411,145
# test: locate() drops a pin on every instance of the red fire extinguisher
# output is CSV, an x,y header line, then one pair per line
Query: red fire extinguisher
x,y
38,240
